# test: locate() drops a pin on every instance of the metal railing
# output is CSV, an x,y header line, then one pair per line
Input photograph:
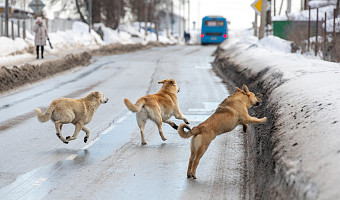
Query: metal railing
x,y
19,27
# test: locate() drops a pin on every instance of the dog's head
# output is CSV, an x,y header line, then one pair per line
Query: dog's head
x,y
170,85
98,96
253,100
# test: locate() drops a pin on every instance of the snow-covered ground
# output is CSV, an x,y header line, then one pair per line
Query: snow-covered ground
x,y
308,98
78,38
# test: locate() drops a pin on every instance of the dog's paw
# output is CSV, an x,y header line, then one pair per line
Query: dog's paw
x,y
245,128
143,143
68,137
175,126
189,176
187,122
264,119
66,142
164,138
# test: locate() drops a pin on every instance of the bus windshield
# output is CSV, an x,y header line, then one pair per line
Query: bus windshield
x,y
214,23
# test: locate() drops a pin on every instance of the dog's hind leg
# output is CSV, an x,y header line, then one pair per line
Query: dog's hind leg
x,y
171,123
159,125
155,116
58,127
87,131
141,120
192,156
79,125
200,149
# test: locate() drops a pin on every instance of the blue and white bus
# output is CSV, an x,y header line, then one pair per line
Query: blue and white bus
x,y
214,30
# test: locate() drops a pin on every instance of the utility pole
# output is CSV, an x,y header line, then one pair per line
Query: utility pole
x,y
179,21
139,15
90,15
36,8
255,25
6,18
184,22
263,18
118,13
188,15
155,17
289,6
167,19
172,17
146,17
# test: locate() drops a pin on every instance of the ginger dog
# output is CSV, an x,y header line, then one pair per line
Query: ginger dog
x,y
76,111
230,113
158,107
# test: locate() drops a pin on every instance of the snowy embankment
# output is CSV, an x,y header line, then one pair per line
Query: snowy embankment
x,y
74,40
72,48
296,154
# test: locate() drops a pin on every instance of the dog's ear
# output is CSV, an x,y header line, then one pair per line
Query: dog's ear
x,y
161,82
245,89
96,94
239,90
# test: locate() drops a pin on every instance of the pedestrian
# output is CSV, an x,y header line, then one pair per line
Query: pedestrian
x,y
100,32
186,37
40,36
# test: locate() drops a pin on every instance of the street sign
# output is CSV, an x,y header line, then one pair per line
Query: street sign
x,y
36,6
257,6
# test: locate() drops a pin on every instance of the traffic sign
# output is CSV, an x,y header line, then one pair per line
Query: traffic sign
x,y
36,6
257,6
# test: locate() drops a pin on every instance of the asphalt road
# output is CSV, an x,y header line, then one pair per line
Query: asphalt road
x,y
35,164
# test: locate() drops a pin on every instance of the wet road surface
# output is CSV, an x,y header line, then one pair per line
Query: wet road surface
x,y
35,164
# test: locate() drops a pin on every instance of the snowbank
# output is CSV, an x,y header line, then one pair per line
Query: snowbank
x,y
299,145
304,15
78,38
9,46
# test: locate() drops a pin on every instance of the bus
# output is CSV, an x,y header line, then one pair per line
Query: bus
x,y
214,30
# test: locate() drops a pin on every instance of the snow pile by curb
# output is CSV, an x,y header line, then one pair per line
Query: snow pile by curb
x,y
302,102
18,76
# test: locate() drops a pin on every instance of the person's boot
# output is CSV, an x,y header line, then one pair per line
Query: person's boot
x,y
37,49
42,52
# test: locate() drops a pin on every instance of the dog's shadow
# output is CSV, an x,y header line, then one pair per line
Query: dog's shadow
x,y
81,157
60,152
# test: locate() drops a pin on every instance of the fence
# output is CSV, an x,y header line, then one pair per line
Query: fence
x,y
327,39
320,37
19,27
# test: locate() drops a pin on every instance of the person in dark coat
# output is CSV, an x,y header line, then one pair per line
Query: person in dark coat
x,y
40,36
100,32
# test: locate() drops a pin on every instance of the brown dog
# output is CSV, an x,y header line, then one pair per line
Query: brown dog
x,y
158,107
230,113
76,111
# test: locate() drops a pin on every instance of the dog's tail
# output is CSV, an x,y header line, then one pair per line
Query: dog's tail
x,y
187,134
134,107
45,117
